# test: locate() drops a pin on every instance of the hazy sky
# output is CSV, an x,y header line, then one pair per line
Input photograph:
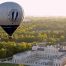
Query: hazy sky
x,y
42,7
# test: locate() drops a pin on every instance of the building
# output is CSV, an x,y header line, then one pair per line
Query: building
x,y
49,56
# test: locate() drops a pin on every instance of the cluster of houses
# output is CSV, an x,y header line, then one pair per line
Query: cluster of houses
x,y
42,56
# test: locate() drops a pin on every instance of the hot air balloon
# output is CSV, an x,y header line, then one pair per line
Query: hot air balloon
x,y
11,15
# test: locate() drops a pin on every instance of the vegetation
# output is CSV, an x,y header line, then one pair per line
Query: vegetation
x,y
7,49
33,30
11,65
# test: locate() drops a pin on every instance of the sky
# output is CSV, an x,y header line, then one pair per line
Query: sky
x,y
42,7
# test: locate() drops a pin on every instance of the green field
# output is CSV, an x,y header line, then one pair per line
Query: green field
x,y
11,65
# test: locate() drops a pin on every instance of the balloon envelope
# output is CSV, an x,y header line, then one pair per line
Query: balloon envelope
x,y
11,15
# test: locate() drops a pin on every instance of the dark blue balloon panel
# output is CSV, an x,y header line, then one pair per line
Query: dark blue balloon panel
x,y
9,29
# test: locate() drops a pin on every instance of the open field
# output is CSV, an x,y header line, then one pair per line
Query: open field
x,y
11,65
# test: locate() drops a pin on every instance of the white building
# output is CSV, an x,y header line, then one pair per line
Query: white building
x,y
50,56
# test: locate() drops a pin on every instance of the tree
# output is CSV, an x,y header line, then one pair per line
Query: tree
x,y
2,53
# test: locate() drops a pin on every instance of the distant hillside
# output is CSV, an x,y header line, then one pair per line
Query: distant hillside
x,y
45,23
